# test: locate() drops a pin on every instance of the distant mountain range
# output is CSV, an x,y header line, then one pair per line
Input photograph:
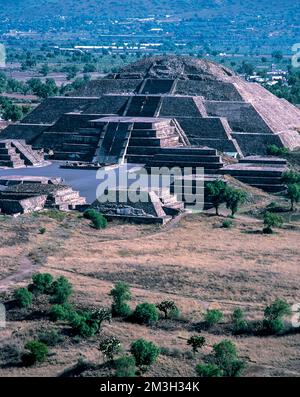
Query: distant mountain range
x,y
256,26
29,10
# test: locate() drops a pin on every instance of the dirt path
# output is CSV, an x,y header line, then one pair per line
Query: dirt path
x,y
27,268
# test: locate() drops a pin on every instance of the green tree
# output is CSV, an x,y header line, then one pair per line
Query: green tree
x,y
290,177
37,352
213,317
13,113
145,313
120,294
234,198
273,316
196,342
168,308
293,193
125,367
216,191
89,323
109,347
271,221
225,357
23,297
278,309
145,353
61,290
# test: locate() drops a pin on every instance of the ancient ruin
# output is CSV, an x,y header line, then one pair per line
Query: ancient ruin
x,y
163,111
19,195
16,153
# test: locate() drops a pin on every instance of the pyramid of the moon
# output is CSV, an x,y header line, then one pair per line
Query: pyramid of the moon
x,y
157,104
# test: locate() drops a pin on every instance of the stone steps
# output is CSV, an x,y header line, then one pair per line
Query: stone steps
x,y
143,150
25,151
183,163
171,140
9,156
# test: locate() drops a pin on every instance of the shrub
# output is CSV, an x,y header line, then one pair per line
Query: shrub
x,y
109,347
145,353
37,352
270,221
225,350
50,338
55,214
290,177
212,317
82,325
61,290
227,224
145,313
225,356
41,283
278,309
169,309
239,323
273,322
274,150
120,293
196,342
89,323
125,367
234,198
208,370
61,312
23,297
42,230
97,219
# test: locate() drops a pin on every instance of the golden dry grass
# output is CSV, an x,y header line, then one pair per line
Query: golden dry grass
x,y
197,264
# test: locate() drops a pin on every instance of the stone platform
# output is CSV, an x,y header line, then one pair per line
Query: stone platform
x,y
35,195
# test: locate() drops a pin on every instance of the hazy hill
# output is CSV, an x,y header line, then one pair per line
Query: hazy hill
x,y
39,9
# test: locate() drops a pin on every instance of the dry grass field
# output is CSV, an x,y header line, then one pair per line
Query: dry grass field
x,y
195,263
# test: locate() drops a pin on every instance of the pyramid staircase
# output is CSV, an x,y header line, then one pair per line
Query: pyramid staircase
x,y
16,154
79,145
148,138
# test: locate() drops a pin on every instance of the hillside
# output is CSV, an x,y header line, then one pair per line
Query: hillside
x,y
55,9
133,8
260,26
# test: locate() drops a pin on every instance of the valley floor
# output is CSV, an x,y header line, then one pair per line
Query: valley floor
x,y
195,263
